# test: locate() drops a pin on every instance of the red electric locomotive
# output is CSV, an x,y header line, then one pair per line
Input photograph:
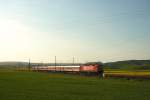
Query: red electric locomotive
x,y
92,69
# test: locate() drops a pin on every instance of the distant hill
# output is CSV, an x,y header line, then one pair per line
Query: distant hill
x,y
13,63
10,65
129,64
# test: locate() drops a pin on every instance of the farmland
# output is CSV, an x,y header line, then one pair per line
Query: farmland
x,y
16,85
139,74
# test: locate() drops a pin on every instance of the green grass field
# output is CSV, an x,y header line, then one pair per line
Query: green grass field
x,y
43,86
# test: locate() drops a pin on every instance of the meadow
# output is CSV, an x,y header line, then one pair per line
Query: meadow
x,y
17,85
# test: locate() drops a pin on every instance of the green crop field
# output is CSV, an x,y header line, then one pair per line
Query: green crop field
x,y
140,74
45,86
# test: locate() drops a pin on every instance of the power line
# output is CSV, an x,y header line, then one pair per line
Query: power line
x,y
55,63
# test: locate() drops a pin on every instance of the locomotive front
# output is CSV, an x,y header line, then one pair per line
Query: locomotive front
x,y
92,69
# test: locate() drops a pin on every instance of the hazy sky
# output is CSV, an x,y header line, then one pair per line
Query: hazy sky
x,y
89,30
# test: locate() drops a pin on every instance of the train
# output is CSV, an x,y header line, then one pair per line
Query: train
x,y
88,69
92,69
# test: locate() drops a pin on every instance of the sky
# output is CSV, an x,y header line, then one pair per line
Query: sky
x,y
88,30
